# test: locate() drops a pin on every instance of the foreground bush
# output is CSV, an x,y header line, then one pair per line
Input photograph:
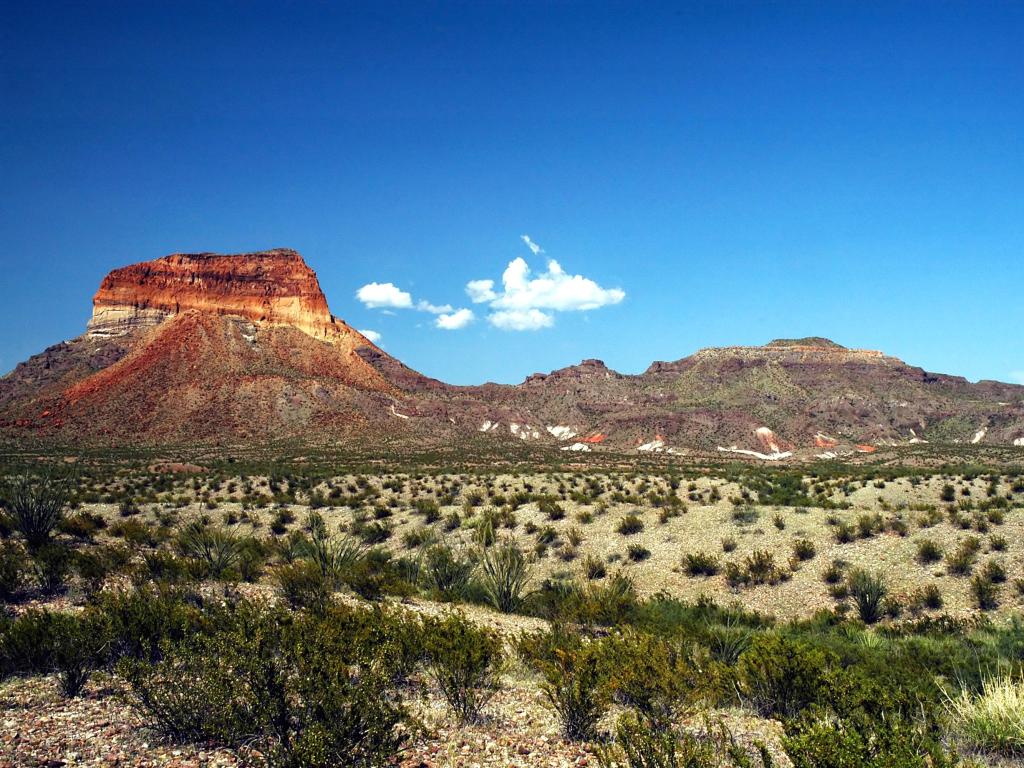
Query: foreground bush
x,y
573,680
298,689
466,663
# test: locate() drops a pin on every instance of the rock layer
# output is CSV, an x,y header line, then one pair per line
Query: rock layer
x,y
269,287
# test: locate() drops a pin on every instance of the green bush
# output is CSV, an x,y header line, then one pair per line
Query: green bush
x,y
43,642
701,564
630,525
650,675
465,662
51,564
444,572
299,690
13,566
780,677
573,680
928,552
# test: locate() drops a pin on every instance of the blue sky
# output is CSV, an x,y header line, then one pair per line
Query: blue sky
x,y
738,171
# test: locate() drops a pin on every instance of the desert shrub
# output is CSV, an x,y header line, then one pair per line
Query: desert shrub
x,y
868,591
928,596
572,679
594,568
961,561
51,564
985,592
303,585
728,544
803,549
303,692
336,559
13,566
756,568
134,532
637,552
141,621
445,572
928,551
994,571
630,525
639,745
503,575
36,507
992,719
43,642
701,564
779,677
83,526
650,675
465,662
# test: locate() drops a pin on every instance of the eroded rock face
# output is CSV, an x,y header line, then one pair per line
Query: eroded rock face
x,y
269,287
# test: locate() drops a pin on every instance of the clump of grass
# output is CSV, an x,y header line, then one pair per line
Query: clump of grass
x,y
701,564
928,551
630,525
993,720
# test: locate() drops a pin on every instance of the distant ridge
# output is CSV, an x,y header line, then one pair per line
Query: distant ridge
x,y
238,347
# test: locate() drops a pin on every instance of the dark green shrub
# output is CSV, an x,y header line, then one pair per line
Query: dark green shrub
x,y
594,568
985,592
701,564
637,553
303,585
13,565
43,642
803,549
780,677
573,679
216,550
465,662
51,564
304,692
928,552
630,525
650,675
445,572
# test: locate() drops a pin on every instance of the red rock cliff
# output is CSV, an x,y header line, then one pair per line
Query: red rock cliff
x,y
270,286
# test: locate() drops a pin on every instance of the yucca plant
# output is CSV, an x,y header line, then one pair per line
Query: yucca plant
x,y
218,550
333,557
504,573
868,591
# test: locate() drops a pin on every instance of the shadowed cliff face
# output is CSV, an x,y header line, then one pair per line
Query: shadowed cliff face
x,y
270,287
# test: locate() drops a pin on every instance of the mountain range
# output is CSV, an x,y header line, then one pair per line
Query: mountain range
x,y
232,348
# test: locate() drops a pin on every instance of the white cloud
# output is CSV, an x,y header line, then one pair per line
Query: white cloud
x,y
372,336
375,295
426,306
527,300
520,319
480,291
537,250
453,321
